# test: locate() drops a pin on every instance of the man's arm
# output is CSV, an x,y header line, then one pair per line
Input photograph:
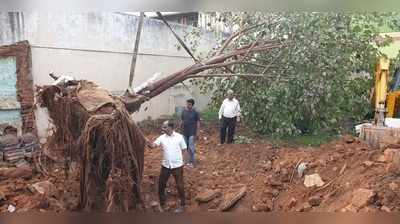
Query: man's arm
x,y
182,143
151,145
221,110
154,144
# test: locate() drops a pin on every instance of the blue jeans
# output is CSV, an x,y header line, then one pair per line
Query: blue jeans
x,y
190,142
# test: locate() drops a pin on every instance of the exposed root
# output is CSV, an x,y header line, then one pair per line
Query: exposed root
x,y
95,128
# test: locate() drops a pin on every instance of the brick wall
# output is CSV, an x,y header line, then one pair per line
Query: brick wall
x,y
22,52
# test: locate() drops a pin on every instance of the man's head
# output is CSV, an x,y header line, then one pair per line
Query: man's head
x,y
167,127
190,103
230,94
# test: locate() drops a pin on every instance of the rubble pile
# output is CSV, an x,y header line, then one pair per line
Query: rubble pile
x,y
16,149
343,175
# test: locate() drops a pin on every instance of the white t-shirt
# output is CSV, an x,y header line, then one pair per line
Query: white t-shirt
x,y
172,149
229,108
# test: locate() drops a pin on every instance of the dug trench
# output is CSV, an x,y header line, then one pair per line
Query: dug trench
x,y
355,178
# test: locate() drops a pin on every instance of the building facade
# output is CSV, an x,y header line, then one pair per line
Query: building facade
x,y
97,47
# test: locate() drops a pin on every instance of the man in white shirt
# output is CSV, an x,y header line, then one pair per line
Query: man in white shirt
x,y
172,144
229,114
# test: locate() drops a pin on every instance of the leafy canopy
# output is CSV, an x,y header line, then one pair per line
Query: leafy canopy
x,y
318,81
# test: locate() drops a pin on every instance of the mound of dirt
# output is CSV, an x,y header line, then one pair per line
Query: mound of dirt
x,y
356,178
270,175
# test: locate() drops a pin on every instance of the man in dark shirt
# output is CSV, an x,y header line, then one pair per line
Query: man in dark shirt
x,y
190,122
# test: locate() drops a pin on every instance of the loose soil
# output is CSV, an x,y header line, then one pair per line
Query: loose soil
x,y
268,172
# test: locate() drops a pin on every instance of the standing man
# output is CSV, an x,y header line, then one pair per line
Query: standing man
x,y
229,113
190,123
172,145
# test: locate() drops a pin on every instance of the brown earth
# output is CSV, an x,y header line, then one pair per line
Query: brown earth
x,y
356,178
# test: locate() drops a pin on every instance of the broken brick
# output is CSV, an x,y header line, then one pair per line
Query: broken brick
x,y
362,197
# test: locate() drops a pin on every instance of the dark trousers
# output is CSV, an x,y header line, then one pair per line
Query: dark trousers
x,y
165,173
230,125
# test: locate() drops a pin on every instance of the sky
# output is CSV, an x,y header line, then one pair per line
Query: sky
x,y
150,14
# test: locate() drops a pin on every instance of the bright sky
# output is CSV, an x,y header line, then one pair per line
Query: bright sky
x,y
150,14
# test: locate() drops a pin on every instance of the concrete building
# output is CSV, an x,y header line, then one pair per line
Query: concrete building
x,y
204,20
97,47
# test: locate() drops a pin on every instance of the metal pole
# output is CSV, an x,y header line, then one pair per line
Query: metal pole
x,y
136,49
177,37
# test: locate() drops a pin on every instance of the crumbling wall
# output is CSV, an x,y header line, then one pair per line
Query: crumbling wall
x,y
98,47
22,52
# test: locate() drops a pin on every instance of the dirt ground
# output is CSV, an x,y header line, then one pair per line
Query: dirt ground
x,y
355,178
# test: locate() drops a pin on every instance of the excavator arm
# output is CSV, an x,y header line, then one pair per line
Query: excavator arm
x,y
381,90
393,97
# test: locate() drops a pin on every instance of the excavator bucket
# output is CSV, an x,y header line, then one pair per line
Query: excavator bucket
x,y
379,133
379,137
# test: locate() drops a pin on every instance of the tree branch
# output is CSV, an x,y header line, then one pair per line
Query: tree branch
x,y
215,62
226,75
247,75
271,63
223,60
235,35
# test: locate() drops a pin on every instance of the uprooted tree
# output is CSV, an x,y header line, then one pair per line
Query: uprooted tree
x,y
94,127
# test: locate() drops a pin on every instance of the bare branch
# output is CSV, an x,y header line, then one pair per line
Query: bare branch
x,y
218,61
271,63
255,64
241,51
221,65
237,34
252,46
227,75
229,69
260,43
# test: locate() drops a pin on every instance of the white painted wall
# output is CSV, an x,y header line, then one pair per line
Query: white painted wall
x,y
97,47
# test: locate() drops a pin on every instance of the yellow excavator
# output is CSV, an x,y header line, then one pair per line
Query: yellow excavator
x,y
386,98
386,102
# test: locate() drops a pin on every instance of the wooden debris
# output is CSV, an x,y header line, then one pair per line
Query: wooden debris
x,y
208,196
20,172
343,169
231,199
294,169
